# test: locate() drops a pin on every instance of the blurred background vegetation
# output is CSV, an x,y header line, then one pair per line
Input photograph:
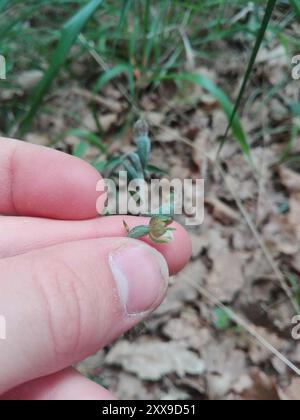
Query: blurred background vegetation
x,y
205,74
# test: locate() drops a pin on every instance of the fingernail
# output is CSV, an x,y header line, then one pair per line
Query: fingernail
x,y
141,275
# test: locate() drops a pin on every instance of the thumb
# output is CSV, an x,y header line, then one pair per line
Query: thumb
x,y
63,303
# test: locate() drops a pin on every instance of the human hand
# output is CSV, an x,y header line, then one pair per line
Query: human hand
x,y
70,283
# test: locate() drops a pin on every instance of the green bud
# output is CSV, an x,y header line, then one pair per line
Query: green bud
x,y
158,230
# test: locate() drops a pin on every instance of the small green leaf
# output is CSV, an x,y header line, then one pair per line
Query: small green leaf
x,y
144,149
158,230
80,149
88,136
100,166
296,6
136,162
132,173
114,72
155,170
221,319
141,130
138,232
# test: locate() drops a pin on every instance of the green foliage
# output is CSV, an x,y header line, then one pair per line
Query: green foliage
x,y
115,72
141,42
136,163
69,33
222,320
296,6
259,39
89,138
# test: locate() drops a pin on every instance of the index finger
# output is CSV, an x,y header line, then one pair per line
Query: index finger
x,y
42,182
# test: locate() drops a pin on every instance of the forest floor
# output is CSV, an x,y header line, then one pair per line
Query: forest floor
x,y
190,348
246,253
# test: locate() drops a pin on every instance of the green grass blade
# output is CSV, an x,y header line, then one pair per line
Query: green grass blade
x,y
259,38
80,149
69,33
296,6
3,4
89,137
125,8
114,72
224,101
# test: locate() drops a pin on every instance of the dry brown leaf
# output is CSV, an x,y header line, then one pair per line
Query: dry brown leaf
x,y
290,179
88,122
219,124
107,120
258,353
181,291
89,366
200,242
264,387
39,139
291,392
243,383
226,278
28,79
203,146
279,237
191,336
155,118
168,135
129,387
294,214
222,212
295,356
224,365
296,262
153,359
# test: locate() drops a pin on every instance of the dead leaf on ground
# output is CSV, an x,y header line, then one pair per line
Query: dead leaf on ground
x,y
222,212
264,387
191,336
226,278
154,359
224,365
291,392
290,179
89,366
182,291
294,214
28,79
259,353
107,121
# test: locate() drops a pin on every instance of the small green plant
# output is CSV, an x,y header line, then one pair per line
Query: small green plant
x,y
159,230
222,320
136,164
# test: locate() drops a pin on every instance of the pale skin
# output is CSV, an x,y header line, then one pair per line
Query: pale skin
x,y
59,273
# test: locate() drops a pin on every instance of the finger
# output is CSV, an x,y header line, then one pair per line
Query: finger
x,y
38,181
20,235
63,303
65,385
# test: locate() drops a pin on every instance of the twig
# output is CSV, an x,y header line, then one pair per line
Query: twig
x,y
244,324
